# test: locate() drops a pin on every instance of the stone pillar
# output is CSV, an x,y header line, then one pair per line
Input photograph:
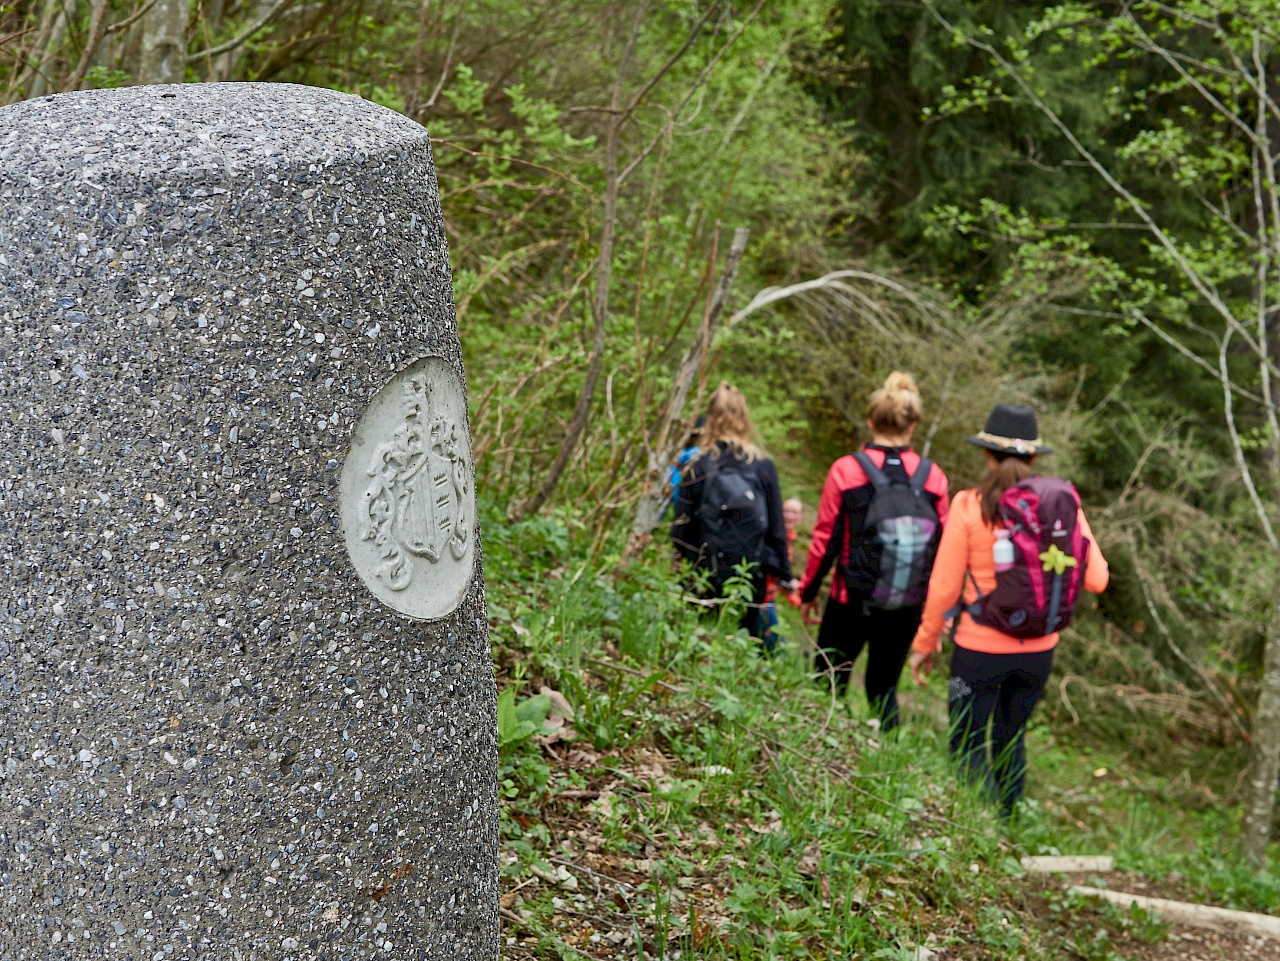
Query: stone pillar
x,y
246,697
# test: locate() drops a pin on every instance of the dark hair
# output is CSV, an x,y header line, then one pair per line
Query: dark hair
x,y
1010,469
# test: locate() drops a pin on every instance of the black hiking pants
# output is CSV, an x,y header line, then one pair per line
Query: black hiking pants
x,y
997,691
887,635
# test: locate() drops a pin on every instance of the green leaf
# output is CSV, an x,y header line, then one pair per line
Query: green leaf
x,y
516,722
533,710
727,705
508,723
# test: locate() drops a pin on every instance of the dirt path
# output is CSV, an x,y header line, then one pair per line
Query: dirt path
x,y
1132,937
601,908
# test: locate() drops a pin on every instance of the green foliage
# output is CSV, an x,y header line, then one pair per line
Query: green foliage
x,y
850,132
819,836
102,78
517,722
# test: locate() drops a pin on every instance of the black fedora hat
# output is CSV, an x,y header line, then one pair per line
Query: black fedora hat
x,y
1011,429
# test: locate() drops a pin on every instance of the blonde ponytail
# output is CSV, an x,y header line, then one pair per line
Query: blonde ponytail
x,y
895,407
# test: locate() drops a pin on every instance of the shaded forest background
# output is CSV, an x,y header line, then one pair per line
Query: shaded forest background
x,y
596,158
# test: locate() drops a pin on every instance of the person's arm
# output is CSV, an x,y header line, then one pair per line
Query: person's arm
x,y
1097,573
937,484
686,529
823,530
946,584
776,537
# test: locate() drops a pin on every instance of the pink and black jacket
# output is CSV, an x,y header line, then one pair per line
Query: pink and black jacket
x,y
839,535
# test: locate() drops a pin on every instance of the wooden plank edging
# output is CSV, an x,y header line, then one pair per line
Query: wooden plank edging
x,y
1194,915
1069,864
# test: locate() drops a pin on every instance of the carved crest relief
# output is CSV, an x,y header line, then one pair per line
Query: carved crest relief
x,y
408,508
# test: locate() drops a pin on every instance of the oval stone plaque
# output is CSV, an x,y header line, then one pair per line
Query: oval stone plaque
x,y
406,496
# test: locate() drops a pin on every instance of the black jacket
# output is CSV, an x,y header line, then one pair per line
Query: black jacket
x,y
686,531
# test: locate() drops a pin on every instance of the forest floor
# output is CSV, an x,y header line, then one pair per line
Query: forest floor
x,y
590,888
668,793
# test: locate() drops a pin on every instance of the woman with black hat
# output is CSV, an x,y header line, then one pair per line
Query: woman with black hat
x,y
1016,550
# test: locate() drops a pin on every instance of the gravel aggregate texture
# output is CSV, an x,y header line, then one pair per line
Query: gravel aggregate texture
x,y
215,742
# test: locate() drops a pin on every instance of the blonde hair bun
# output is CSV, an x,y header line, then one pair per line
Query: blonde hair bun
x,y
896,406
900,383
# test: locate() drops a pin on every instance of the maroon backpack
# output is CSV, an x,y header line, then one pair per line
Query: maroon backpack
x,y
1035,594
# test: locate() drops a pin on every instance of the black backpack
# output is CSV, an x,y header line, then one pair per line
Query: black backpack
x,y
900,540
734,515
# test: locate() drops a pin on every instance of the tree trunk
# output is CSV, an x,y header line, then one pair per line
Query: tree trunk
x,y
40,81
164,43
600,310
664,450
582,409
1265,764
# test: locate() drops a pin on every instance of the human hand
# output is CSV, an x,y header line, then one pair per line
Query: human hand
x,y
793,599
809,612
921,665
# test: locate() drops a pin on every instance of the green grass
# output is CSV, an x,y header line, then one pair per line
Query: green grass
x,y
723,805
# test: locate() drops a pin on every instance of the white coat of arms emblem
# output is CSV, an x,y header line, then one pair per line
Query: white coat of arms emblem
x,y
406,494
415,501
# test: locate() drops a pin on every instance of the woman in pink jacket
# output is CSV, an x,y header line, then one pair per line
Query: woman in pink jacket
x,y
866,607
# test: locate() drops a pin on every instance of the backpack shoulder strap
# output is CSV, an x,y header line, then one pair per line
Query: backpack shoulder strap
x,y
710,466
879,480
921,476
960,605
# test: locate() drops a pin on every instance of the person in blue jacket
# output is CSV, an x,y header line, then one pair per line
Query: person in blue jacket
x,y
688,451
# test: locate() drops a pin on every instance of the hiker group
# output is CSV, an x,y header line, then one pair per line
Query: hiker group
x,y
999,567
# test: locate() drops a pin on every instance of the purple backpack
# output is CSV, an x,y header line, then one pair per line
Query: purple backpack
x,y
1036,593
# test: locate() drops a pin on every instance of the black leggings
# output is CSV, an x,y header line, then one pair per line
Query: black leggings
x,y
848,628
1000,690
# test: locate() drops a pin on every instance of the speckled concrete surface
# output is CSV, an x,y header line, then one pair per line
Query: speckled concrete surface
x,y
214,741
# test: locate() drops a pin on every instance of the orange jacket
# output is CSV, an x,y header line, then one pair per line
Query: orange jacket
x,y
967,544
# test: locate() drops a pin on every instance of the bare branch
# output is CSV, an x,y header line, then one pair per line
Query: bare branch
x,y
604,268
1209,684
663,451
1237,448
444,71
272,12
1149,44
833,281
697,85
671,62
515,160
1223,217
1190,354
1266,244
97,30
1183,349
133,18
